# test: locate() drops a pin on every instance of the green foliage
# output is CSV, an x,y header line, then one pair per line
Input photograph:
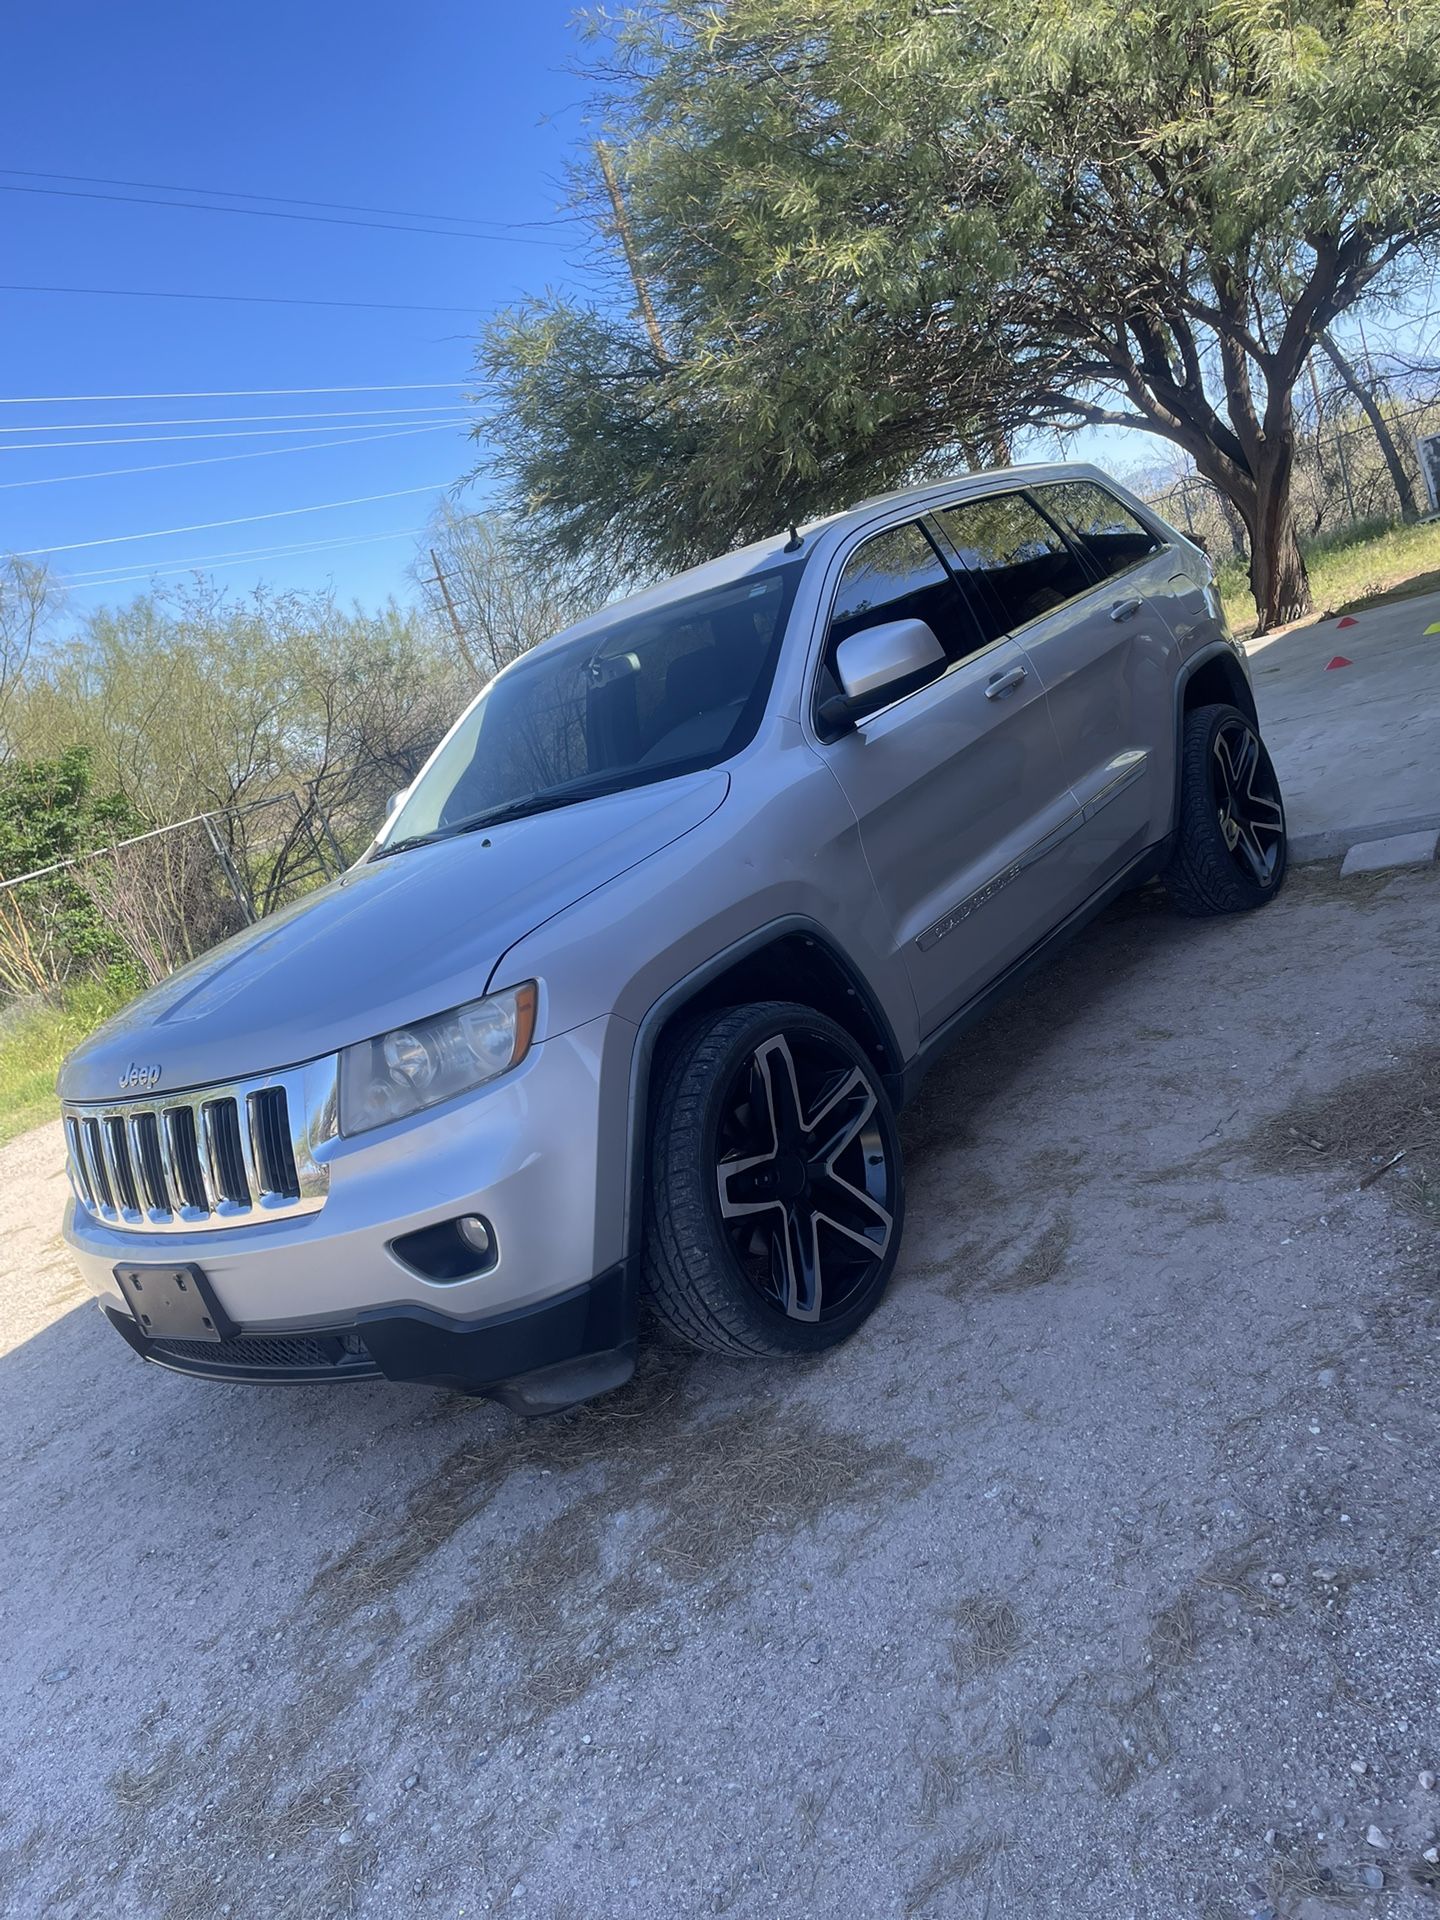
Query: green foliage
x,y
49,812
34,1040
883,240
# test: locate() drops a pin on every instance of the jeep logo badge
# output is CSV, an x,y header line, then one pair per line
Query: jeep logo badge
x,y
139,1077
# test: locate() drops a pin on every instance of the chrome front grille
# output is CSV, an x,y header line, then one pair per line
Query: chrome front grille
x,y
208,1157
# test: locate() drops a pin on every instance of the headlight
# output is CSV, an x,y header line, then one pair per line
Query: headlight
x,y
433,1060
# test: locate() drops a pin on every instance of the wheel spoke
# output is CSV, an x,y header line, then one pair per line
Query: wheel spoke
x,y
844,1126
1263,804
774,1066
734,1175
797,1253
1246,759
1249,847
1225,761
850,1210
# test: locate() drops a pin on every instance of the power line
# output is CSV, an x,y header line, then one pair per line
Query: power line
x,y
266,213
179,439
241,520
319,546
246,299
220,419
142,567
273,199
228,393
215,459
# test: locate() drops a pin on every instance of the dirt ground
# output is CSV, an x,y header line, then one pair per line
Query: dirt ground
x,y
1097,1579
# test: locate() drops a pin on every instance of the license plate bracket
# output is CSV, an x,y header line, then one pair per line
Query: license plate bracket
x,y
174,1302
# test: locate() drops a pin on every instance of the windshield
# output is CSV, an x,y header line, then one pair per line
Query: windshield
x,y
654,694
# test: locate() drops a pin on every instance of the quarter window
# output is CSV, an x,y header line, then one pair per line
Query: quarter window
x,y
1022,566
1107,533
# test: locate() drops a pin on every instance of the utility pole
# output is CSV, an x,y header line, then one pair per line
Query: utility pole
x,y
441,582
632,255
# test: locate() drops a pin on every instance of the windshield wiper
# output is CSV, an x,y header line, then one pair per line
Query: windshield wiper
x,y
404,846
543,800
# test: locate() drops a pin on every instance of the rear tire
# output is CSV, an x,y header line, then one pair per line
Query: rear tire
x,y
1230,843
775,1200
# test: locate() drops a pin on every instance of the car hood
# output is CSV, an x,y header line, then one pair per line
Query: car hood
x,y
390,941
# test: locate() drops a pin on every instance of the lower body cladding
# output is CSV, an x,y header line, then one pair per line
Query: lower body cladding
x,y
540,1359
546,1315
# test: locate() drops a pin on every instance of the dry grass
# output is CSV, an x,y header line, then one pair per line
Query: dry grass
x,y
988,1632
953,1867
945,1776
1136,1738
1361,1124
1174,1636
1045,1259
1320,882
1300,1876
694,1499
652,1514
715,1489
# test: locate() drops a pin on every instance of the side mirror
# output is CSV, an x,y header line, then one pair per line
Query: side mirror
x,y
878,662
392,803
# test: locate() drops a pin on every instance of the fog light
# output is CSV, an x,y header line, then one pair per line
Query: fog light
x,y
456,1249
475,1232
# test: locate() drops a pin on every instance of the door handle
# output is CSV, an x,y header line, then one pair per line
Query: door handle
x,y
1124,609
1004,683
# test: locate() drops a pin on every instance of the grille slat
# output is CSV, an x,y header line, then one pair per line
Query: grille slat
x,y
117,1161
274,1155
145,1152
220,1132
185,1150
219,1156
79,1172
95,1161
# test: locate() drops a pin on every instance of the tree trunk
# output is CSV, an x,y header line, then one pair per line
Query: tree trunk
x,y
1399,478
1278,578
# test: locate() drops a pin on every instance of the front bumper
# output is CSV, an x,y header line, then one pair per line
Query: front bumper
x,y
540,1155
537,1359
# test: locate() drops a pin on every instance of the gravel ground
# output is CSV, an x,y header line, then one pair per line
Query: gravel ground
x,y
1097,1579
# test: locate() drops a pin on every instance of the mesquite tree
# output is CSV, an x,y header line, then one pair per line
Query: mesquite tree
x,y
883,239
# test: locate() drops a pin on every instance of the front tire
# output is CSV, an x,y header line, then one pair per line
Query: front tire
x,y
775,1194
1230,842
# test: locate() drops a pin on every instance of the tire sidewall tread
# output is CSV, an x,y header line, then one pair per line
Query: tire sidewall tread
x,y
1201,878
692,1280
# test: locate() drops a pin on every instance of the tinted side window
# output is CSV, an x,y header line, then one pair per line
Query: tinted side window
x,y
1107,533
1022,564
897,575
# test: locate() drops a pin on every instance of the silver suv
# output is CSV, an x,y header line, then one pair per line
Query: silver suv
x,y
623,1000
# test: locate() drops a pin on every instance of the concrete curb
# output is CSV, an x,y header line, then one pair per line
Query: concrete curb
x,y
1333,841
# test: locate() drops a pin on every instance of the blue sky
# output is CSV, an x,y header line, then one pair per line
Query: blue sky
x,y
452,110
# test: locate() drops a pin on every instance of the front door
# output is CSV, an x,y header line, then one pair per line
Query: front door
x,y
957,787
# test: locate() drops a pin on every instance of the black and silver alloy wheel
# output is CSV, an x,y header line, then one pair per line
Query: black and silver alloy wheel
x,y
804,1181
776,1198
1229,849
1247,796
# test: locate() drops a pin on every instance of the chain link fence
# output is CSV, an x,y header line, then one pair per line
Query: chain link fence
x,y
1342,480
153,901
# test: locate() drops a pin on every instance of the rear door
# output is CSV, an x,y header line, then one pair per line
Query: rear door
x,y
957,787
1067,569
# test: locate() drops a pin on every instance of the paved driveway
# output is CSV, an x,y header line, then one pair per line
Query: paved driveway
x,y
1097,1580
1358,745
